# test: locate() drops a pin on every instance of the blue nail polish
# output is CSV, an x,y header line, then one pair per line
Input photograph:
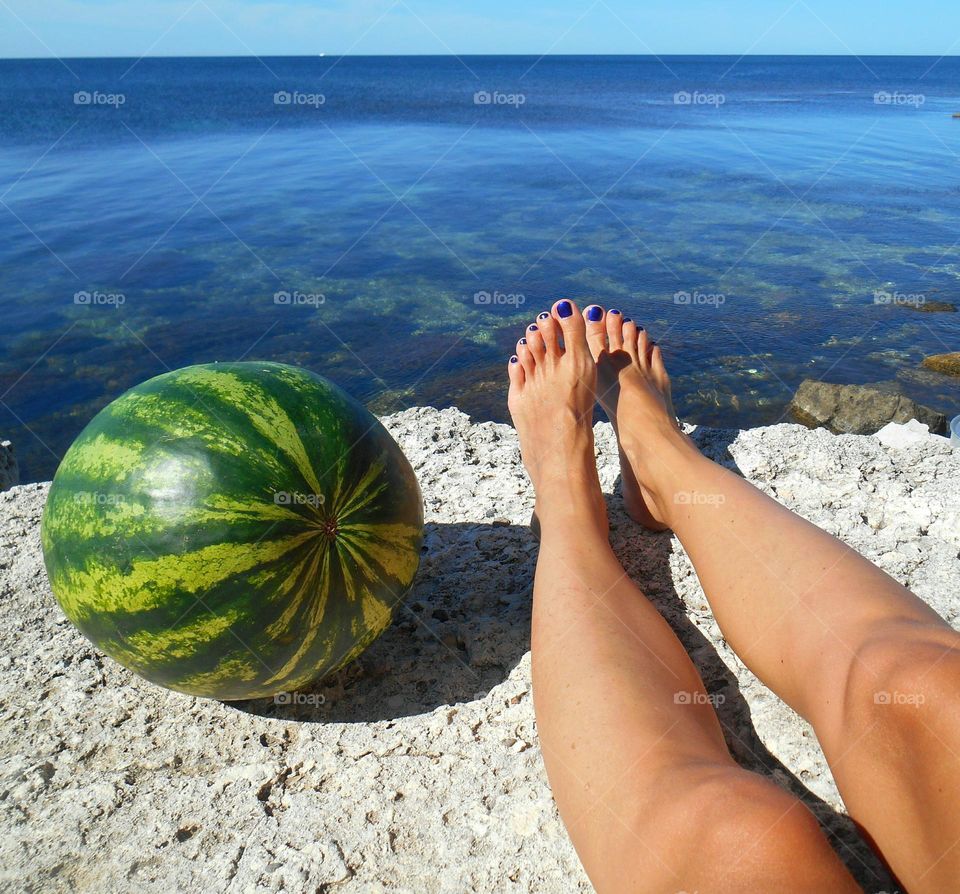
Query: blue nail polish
x,y
615,312
514,358
639,328
594,313
625,319
532,327
564,309
523,341
543,316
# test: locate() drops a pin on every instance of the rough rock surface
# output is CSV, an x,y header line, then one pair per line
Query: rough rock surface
x,y
417,769
948,364
9,469
858,409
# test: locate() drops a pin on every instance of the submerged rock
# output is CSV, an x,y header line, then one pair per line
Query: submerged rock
x,y
934,307
9,470
948,364
858,409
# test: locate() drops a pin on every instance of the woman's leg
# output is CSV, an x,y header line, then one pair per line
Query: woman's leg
x,y
633,749
873,668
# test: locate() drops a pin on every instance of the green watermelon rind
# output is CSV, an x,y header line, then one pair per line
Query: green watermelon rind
x,y
233,530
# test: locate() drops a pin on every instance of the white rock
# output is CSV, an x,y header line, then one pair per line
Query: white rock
x,y
897,434
402,779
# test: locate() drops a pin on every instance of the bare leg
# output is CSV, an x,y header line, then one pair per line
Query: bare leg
x,y
872,667
633,749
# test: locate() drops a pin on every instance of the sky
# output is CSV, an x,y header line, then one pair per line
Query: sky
x,y
67,28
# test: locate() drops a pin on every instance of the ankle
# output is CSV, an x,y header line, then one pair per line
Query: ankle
x,y
669,460
572,501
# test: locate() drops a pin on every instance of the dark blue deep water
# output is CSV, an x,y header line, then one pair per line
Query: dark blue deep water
x,y
374,219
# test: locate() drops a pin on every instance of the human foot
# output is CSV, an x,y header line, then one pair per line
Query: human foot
x,y
551,397
634,390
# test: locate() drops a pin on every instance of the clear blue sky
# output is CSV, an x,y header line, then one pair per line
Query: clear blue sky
x,y
307,27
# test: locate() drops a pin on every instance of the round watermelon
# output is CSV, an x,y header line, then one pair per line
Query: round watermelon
x,y
233,530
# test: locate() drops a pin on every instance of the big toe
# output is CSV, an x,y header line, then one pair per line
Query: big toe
x,y
572,327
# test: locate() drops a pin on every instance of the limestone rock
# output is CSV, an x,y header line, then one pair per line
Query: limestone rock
x,y
416,769
895,434
858,409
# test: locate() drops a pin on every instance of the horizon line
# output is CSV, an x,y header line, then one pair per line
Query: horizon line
x,y
532,55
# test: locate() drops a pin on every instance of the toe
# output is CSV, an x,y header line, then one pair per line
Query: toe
x,y
643,350
550,333
662,380
596,331
631,333
527,360
658,370
614,326
515,373
572,326
535,341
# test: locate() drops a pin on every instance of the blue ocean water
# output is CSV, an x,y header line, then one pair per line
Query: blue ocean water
x,y
393,223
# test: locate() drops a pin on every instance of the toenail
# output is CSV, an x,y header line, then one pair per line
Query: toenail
x,y
639,328
594,313
543,316
532,327
615,312
564,309
625,319
523,341
514,358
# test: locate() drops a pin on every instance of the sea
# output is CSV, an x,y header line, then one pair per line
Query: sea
x,y
393,223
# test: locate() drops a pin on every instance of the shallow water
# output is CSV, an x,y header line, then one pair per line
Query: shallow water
x,y
396,235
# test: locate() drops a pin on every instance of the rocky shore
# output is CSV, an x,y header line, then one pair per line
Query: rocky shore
x,y
417,768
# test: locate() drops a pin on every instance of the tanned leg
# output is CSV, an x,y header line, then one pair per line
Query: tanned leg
x,y
872,667
633,748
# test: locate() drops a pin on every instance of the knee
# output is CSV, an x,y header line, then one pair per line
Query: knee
x,y
719,826
906,676
740,813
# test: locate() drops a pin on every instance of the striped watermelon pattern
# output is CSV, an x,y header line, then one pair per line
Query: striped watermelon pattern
x,y
233,530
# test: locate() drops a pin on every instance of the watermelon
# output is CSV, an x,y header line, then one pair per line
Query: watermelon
x,y
233,530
